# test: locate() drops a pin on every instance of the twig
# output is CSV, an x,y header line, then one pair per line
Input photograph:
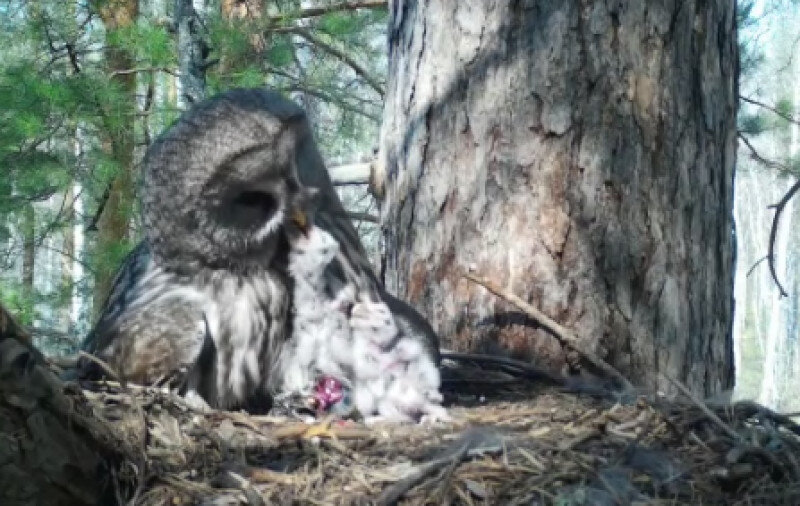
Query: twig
x,y
702,405
755,155
350,173
344,57
758,262
101,206
774,232
565,336
363,217
473,441
144,69
340,103
103,365
749,408
313,12
774,110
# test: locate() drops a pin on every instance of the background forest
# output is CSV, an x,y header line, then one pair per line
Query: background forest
x,y
85,86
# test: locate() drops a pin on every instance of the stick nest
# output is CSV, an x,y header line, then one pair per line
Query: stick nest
x,y
544,446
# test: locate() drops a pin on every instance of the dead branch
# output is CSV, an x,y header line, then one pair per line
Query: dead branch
x,y
755,155
772,109
774,232
101,206
106,368
363,217
313,12
778,207
756,264
566,337
475,441
702,406
139,70
352,173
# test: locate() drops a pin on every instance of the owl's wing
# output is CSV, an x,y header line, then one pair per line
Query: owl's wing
x,y
125,291
152,328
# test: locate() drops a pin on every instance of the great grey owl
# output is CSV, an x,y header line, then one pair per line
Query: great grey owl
x,y
205,298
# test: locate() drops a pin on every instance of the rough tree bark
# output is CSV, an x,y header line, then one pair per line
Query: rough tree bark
x,y
52,451
580,154
114,222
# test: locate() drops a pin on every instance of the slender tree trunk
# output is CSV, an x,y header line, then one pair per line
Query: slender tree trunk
x,y
192,52
28,258
67,259
114,221
581,155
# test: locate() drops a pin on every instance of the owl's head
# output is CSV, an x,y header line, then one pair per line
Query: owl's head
x,y
221,182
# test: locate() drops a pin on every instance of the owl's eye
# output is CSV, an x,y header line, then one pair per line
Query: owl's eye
x,y
249,209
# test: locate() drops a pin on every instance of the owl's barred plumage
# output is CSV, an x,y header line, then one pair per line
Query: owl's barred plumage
x,y
205,298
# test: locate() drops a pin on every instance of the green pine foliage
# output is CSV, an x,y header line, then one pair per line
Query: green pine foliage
x,y
60,108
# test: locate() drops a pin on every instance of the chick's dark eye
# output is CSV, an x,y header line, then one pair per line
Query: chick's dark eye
x,y
249,209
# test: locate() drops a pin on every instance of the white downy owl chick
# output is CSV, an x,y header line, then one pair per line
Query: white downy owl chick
x,y
413,388
420,370
372,329
320,343
396,379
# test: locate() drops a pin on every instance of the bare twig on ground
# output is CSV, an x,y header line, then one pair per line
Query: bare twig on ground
x,y
564,335
107,369
474,441
702,406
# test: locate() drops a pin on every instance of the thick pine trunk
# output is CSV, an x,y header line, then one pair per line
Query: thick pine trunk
x,y
579,154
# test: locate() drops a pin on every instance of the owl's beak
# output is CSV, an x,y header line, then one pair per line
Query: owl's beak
x,y
300,220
